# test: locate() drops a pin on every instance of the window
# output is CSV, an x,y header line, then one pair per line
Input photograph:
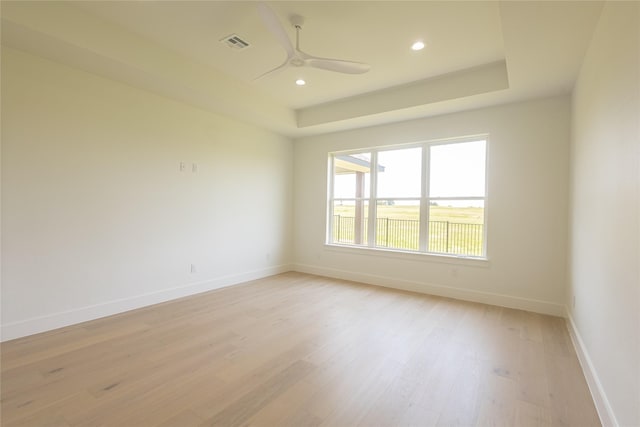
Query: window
x,y
428,197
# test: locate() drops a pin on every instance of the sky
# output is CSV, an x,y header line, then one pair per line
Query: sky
x,y
456,170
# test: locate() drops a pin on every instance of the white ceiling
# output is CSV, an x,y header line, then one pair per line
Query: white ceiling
x,y
459,35
478,53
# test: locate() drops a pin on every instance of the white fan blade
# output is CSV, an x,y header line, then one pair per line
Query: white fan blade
x,y
273,24
338,65
275,70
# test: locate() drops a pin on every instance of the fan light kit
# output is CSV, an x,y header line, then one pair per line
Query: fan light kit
x,y
296,57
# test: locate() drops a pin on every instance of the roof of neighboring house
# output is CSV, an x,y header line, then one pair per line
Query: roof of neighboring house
x,y
345,163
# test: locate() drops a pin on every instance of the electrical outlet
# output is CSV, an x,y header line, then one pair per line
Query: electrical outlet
x,y
182,166
193,268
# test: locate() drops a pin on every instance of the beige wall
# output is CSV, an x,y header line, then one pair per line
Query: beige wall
x,y
96,215
527,208
605,234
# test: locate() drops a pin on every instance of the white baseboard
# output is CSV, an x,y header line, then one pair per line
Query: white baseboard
x,y
543,307
607,416
36,325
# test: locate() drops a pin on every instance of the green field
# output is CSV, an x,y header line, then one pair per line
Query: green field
x,y
436,213
453,230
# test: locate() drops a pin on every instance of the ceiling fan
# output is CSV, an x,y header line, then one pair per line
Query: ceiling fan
x,y
296,57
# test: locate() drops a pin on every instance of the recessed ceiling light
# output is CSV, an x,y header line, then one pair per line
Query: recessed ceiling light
x,y
417,45
300,82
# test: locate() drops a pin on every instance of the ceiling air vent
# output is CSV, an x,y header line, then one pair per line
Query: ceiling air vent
x,y
235,42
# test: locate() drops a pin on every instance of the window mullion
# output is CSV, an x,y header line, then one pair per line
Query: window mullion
x,y
424,201
331,195
373,201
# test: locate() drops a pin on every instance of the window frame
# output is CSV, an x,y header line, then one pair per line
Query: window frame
x,y
424,199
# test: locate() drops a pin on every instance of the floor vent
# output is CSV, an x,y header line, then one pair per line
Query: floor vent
x,y
235,42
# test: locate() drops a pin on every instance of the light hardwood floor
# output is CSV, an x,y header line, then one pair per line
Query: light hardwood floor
x,y
300,350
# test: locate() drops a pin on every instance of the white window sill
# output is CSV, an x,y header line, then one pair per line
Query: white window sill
x,y
409,255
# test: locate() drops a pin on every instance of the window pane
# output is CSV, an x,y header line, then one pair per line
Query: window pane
x,y
456,227
351,175
398,224
399,173
457,170
350,222
454,198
